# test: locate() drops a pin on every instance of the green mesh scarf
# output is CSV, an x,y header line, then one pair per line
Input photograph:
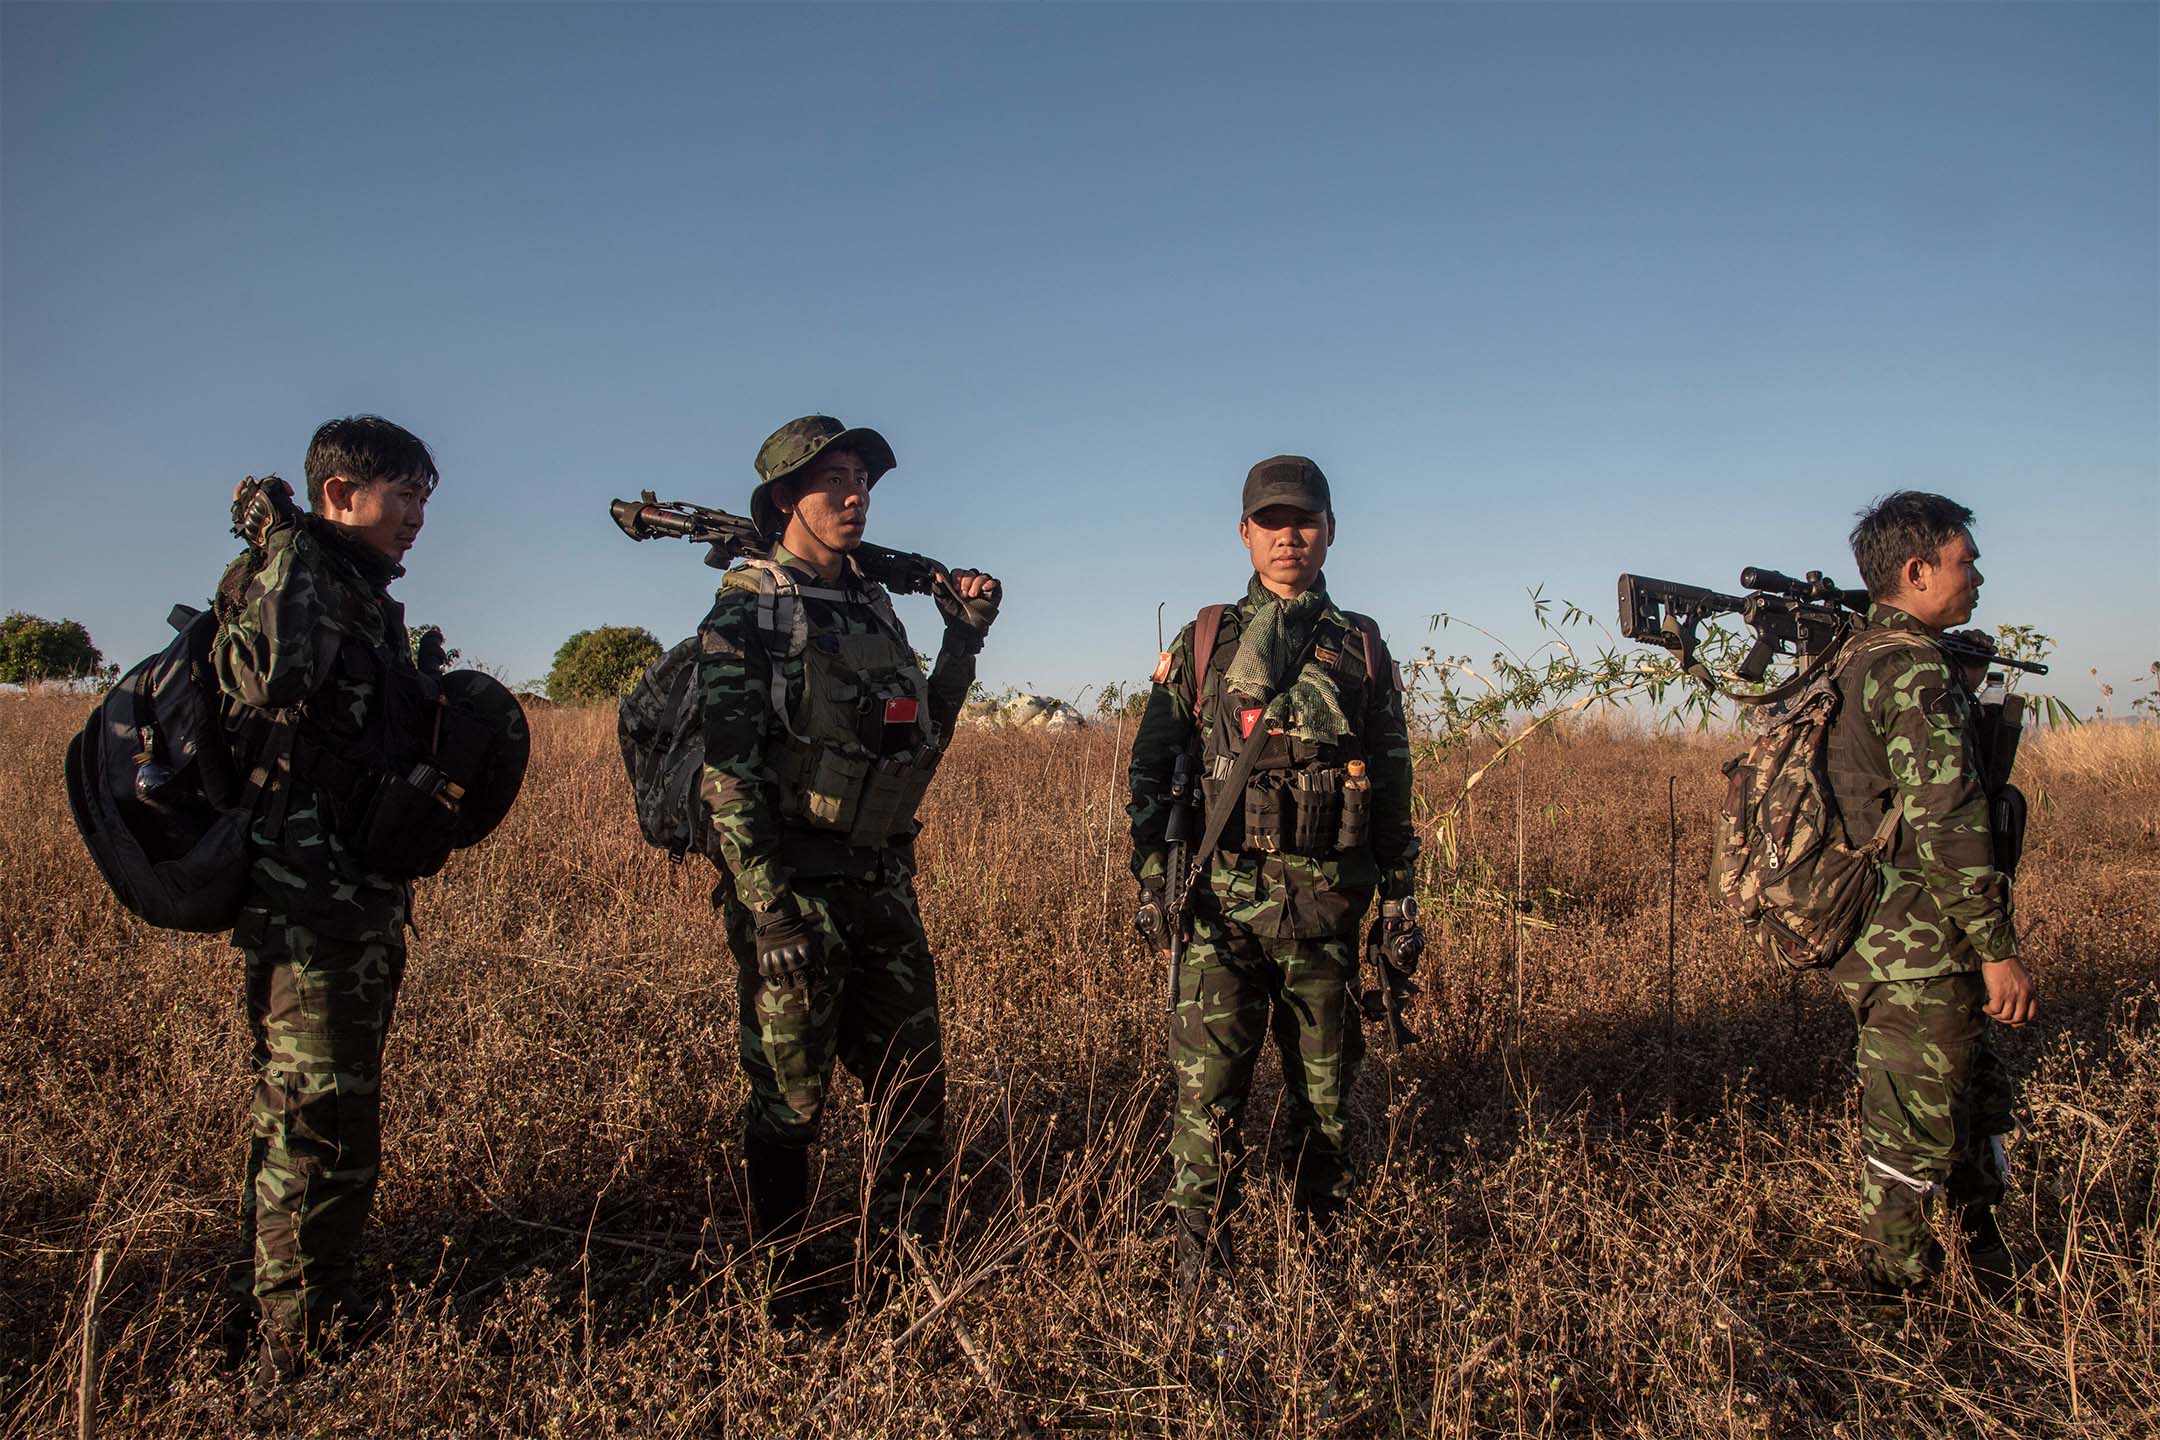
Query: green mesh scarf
x,y
1305,705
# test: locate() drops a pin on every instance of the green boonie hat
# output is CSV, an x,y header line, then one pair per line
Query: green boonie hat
x,y
1286,480
799,442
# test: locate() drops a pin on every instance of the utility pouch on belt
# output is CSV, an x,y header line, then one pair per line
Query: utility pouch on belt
x,y
410,825
1355,832
2006,825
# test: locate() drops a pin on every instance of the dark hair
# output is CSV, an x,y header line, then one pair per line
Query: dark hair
x,y
366,449
1911,524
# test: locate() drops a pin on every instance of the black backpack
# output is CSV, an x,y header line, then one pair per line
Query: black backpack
x,y
157,794
662,731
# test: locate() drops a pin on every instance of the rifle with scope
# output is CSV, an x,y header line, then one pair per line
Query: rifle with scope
x,y
733,538
1805,618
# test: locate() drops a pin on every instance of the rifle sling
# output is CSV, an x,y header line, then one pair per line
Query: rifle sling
x,y
1232,794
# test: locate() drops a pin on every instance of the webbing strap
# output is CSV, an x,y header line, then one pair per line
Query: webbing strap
x,y
1206,626
786,627
1925,1187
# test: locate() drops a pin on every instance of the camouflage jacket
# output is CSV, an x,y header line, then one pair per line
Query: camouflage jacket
x,y
758,850
306,637
1905,735
1278,895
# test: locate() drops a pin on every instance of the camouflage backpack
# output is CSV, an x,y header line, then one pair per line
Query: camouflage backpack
x,y
1784,864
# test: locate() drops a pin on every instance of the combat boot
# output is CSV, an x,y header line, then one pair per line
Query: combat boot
x,y
1200,1251
279,1362
238,1324
779,1184
1994,1268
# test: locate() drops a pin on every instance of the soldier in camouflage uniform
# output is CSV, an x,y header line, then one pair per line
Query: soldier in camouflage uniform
x,y
821,735
1938,956
309,635
1321,821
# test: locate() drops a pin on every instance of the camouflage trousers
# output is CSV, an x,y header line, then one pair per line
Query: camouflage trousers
x,y
874,1007
318,1010
1234,989
1934,1104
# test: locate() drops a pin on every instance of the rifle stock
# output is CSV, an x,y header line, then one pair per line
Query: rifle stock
x,y
1803,618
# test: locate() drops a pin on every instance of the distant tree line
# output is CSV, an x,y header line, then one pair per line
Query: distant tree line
x,y
33,648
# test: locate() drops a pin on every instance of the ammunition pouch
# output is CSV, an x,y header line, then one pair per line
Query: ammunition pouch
x,y
869,801
1314,811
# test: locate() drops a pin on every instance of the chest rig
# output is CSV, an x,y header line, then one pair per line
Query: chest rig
x,y
854,752
1299,797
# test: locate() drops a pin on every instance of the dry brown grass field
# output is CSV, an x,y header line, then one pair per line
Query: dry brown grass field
x,y
1586,1213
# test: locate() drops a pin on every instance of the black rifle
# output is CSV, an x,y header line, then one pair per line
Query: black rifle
x,y
733,538
1177,886
1803,618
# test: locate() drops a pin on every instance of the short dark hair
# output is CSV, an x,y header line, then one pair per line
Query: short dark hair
x,y
366,449
1910,524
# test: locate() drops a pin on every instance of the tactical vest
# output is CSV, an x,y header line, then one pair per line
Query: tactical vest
x,y
1303,797
855,754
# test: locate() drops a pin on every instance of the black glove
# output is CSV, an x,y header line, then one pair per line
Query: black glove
x,y
1402,938
789,952
1151,918
967,621
261,508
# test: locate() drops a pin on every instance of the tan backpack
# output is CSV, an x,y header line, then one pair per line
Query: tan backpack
x,y
1783,866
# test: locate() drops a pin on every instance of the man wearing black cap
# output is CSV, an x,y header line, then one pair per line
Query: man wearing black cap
x,y
821,735
1290,714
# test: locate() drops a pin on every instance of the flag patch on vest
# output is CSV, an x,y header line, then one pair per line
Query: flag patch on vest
x,y
1247,719
900,711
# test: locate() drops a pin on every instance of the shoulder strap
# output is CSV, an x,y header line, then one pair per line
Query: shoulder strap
x,y
1206,626
1834,661
1379,664
780,620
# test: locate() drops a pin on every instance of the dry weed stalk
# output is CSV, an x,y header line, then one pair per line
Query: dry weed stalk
x,y
1582,1230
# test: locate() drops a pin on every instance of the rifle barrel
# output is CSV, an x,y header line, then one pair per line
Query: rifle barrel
x,y
642,520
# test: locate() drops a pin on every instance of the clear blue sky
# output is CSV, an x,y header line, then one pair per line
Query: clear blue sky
x,y
1550,291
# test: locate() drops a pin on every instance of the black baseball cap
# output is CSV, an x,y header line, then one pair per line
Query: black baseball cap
x,y
1286,480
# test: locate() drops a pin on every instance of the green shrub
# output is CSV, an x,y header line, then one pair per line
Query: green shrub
x,y
595,665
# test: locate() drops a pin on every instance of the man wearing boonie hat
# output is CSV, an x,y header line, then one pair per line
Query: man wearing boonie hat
x,y
1288,712
821,735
